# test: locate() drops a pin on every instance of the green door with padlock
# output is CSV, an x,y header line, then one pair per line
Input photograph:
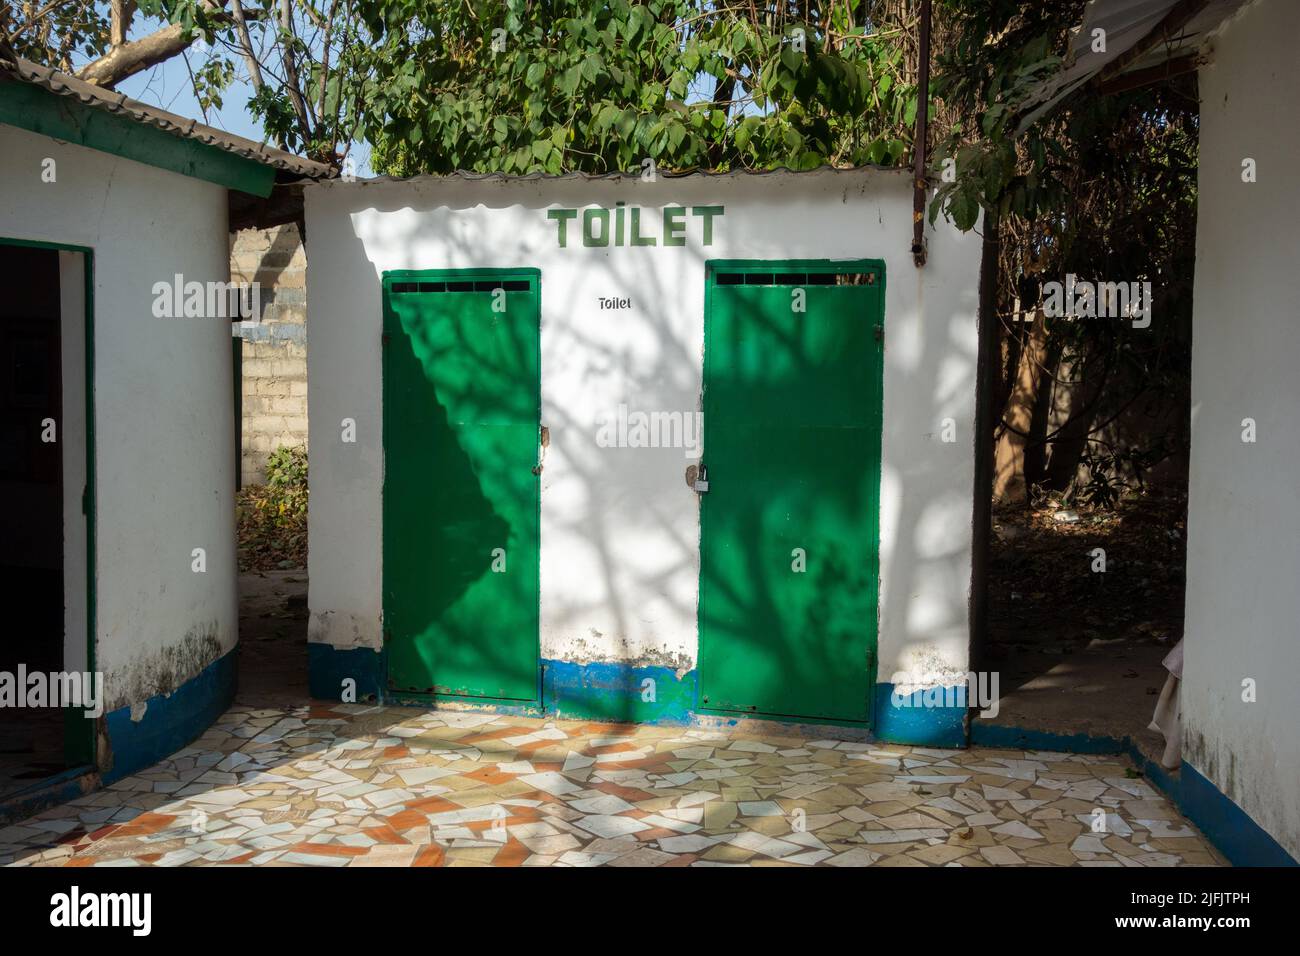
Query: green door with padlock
x,y
461,538
789,536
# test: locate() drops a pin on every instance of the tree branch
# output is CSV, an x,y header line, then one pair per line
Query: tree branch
x,y
122,12
134,56
292,85
246,45
131,58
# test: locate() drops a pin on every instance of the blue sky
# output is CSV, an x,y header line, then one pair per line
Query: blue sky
x,y
168,86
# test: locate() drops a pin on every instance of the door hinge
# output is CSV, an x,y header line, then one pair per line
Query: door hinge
x,y
383,338
880,333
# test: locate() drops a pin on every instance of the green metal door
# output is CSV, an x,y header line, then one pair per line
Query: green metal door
x,y
461,527
789,559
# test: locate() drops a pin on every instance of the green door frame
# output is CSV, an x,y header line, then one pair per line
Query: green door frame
x,y
80,748
819,266
390,322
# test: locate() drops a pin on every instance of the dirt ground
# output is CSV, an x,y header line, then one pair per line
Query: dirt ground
x,y
273,637
1080,650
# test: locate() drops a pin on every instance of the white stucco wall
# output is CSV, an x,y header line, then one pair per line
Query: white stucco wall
x,y
164,426
1243,555
620,527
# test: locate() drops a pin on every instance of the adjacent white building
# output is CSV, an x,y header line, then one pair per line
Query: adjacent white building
x,y
111,214
1240,708
1241,677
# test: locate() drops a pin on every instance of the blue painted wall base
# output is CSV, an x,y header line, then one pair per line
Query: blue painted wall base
x,y
935,718
617,692
170,721
649,694
328,667
1243,841
1016,738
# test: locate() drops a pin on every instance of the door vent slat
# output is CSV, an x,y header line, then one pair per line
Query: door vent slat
x,y
485,285
795,278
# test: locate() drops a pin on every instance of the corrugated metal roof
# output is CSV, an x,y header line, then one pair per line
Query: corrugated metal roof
x,y
467,176
64,84
1126,23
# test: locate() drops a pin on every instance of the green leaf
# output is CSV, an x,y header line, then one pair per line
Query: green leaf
x,y
593,68
810,160
965,211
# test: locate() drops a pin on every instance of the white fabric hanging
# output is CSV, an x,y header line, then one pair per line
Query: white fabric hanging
x,y
1167,719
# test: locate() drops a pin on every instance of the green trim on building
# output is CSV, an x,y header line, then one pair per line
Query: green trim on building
x,y
64,118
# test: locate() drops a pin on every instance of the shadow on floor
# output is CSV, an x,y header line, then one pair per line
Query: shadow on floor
x,y
273,637
1079,651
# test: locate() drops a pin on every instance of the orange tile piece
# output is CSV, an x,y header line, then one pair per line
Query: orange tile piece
x,y
512,854
431,855
405,819
146,824
384,834
433,805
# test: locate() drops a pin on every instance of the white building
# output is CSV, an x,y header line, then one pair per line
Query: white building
x,y
1241,681
118,462
1240,774
463,329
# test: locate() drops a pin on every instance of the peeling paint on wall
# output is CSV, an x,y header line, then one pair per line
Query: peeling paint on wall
x,y
341,631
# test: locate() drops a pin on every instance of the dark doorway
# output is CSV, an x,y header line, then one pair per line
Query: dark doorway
x,y
32,569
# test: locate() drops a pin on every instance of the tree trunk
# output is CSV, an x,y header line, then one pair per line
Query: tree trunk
x,y
1010,482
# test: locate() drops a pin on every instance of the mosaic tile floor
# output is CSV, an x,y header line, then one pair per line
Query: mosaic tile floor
x,y
362,786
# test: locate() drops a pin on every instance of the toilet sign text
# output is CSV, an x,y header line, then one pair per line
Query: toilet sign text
x,y
633,226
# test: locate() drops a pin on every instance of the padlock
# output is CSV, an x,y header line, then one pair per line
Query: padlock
x,y
702,480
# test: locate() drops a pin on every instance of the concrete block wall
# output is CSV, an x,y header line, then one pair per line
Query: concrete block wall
x,y
275,349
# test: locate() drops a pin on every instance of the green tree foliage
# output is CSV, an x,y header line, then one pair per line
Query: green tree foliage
x,y
521,86
306,60
994,53
1103,187
54,34
271,519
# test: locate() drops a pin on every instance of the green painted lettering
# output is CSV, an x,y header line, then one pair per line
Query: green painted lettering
x,y
707,213
674,226
600,229
562,216
589,218
637,238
